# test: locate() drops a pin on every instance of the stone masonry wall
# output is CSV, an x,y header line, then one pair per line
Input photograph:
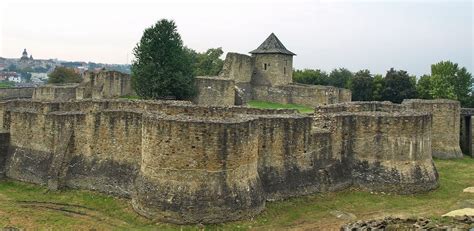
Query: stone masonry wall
x,y
16,93
55,92
106,84
388,146
308,95
272,69
215,91
184,163
238,67
446,125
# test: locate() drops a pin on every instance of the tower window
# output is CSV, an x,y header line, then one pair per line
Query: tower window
x,y
264,66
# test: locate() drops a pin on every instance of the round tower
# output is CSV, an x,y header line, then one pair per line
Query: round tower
x,y
273,63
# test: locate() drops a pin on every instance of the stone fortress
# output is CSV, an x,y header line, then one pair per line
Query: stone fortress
x,y
267,75
188,163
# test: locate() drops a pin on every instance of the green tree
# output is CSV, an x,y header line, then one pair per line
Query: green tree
x,y
378,86
162,67
340,78
398,86
450,81
208,63
423,87
309,76
362,86
64,75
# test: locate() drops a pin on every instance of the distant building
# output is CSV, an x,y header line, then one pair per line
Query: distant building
x,y
24,56
10,76
39,77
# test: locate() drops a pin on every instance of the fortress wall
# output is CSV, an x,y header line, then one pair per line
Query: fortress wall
x,y
446,125
55,92
35,141
294,160
345,95
16,93
108,152
4,145
392,153
214,91
388,151
308,95
238,67
107,84
198,170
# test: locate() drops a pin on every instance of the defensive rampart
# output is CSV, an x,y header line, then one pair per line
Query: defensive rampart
x,y
184,163
446,125
16,93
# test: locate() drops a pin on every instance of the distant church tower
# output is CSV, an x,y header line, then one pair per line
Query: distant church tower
x,y
273,63
24,56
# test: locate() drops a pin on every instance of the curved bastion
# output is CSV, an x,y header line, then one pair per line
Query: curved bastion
x,y
183,163
389,146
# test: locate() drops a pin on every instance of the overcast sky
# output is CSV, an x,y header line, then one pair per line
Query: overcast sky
x,y
374,35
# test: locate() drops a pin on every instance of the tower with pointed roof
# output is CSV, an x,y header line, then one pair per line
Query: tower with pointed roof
x,y
24,55
273,63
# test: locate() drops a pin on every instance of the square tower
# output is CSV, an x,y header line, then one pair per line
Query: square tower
x,y
273,63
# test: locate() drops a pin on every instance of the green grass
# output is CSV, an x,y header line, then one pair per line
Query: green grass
x,y
6,84
271,105
79,209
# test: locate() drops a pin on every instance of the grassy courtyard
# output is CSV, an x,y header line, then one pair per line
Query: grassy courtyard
x,y
271,105
33,207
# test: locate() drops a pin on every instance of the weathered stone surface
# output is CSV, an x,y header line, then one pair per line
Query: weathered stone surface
x,y
4,143
388,149
391,223
184,163
446,125
215,91
267,75
16,93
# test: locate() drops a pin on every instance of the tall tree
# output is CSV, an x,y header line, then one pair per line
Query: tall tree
x,y
208,63
423,87
450,81
340,78
362,86
398,86
64,75
378,86
162,67
310,76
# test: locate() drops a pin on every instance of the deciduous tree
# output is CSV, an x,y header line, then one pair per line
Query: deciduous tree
x,y
162,68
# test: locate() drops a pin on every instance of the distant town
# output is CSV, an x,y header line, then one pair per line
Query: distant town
x,y
26,71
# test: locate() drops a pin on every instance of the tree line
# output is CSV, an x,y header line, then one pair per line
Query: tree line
x,y
447,80
164,68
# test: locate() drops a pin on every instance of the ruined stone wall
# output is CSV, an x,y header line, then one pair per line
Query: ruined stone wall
x,y
446,125
294,160
55,92
308,95
106,84
214,91
238,67
196,170
184,163
272,69
389,147
16,93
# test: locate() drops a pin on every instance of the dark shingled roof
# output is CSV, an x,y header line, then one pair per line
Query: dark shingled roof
x,y
272,45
